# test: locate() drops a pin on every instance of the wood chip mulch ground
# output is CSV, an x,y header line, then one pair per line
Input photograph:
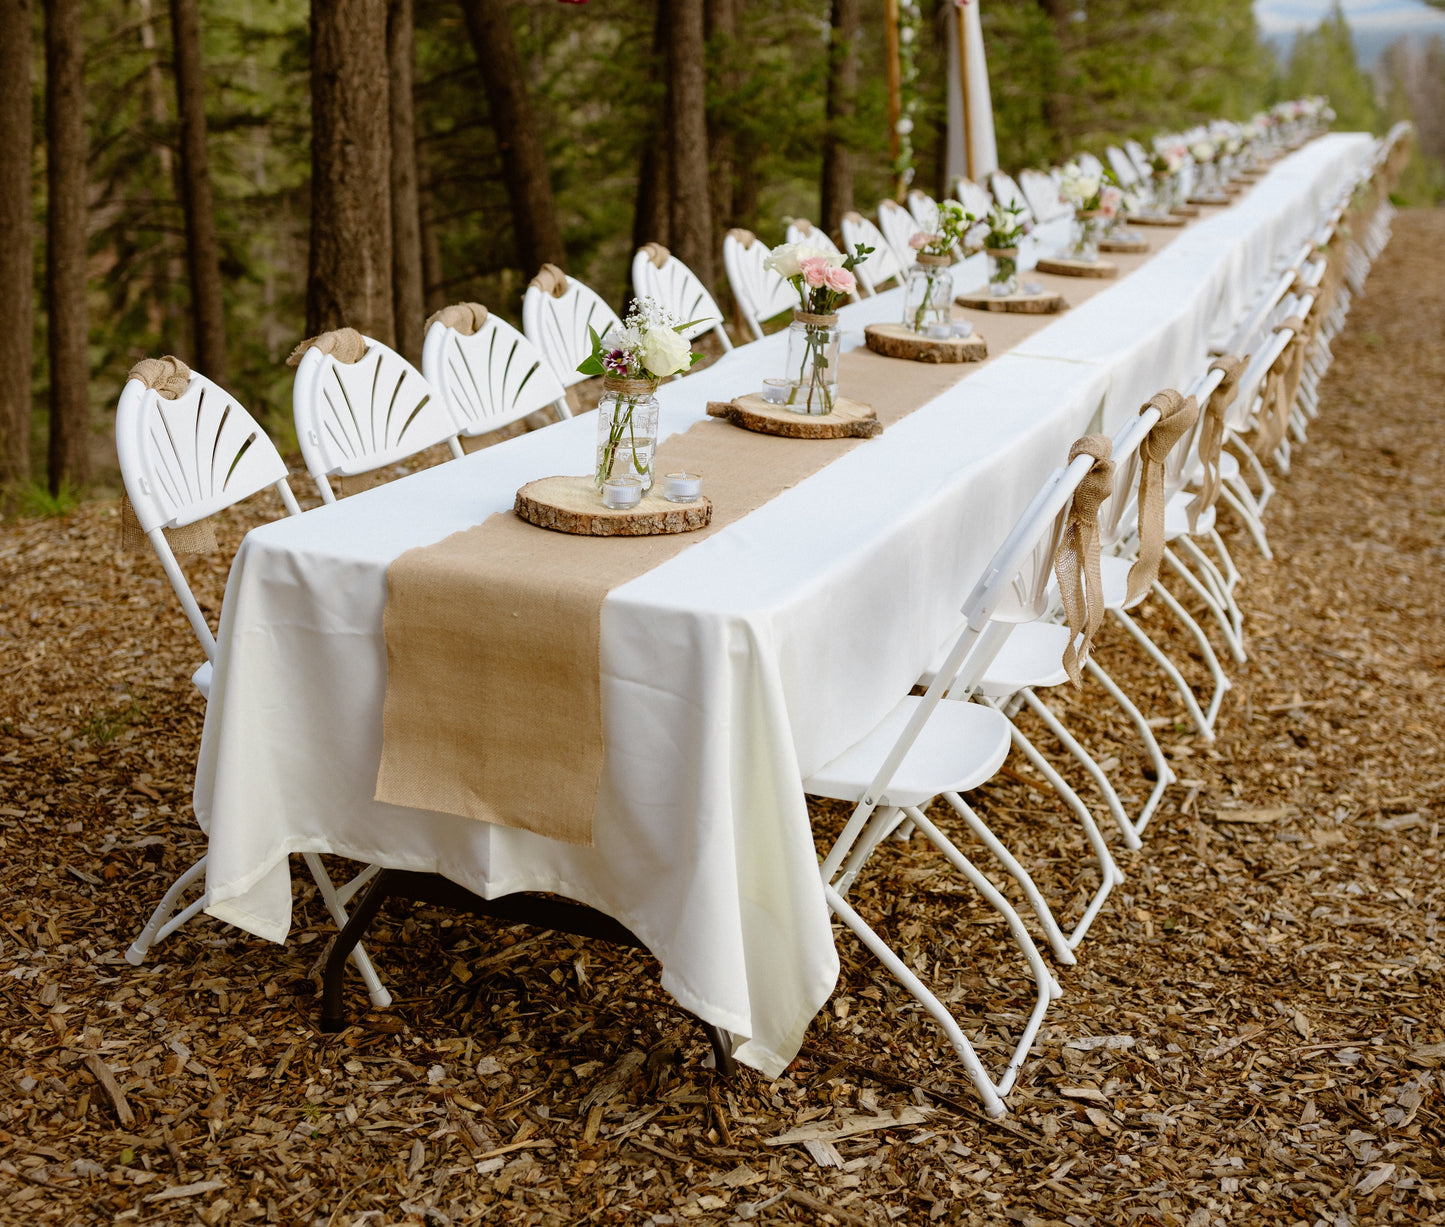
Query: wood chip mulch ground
x,y
1253,1032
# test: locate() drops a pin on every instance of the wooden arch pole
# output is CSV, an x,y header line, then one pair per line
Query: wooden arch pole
x,y
969,161
895,88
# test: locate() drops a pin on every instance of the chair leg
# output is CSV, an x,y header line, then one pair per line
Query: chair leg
x,y
374,987
884,822
1206,649
990,1092
1248,516
1208,593
161,924
1163,772
1156,654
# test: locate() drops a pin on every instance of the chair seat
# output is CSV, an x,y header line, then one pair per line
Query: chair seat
x,y
1032,657
960,747
201,678
1176,517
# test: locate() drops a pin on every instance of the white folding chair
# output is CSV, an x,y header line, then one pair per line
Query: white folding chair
x,y
924,209
882,265
1042,194
760,293
926,749
898,226
1090,165
557,311
661,276
974,197
182,460
1123,167
1010,195
354,418
489,378
1139,156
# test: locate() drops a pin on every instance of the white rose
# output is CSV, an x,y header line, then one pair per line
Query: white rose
x,y
784,259
665,352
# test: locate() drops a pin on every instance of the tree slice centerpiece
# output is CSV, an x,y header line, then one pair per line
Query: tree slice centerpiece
x,y
1063,267
896,341
1125,242
1157,219
1021,304
572,505
850,419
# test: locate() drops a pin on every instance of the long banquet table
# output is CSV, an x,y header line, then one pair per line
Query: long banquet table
x,y
730,671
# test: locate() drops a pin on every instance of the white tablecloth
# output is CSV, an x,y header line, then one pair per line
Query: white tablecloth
x,y
730,671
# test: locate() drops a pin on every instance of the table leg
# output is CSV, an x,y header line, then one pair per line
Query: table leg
x,y
540,911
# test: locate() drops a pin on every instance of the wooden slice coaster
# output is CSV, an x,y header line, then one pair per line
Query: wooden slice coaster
x,y
1185,210
1135,243
1156,219
573,505
1210,198
850,419
896,341
1022,304
1078,268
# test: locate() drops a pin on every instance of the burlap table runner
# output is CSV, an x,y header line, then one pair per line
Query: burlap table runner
x,y
494,698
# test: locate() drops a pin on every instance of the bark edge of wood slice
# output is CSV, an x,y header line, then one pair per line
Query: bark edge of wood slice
x,y
850,419
1210,198
896,341
1077,268
1137,245
1157,219
1185,210
1022,304
572,505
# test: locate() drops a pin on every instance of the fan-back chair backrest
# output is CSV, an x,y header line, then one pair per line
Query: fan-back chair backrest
x,y
1090,164
1010,195
924,209
759,292
490,379
801,230
974,197
1042,194
898,226
556,321
661,276
1124,169
356,417
1140,157
184,459
883,264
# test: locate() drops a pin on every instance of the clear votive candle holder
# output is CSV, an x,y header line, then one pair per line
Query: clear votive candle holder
x,y
962,328
621,493
939,331
682,487
775,391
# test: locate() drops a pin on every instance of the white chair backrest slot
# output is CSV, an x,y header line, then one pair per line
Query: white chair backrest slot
x,y
490,379
759,292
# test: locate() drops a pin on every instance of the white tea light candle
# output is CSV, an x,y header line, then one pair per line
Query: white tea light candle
x,y
962,328
620,493
682,487
775,391
939,331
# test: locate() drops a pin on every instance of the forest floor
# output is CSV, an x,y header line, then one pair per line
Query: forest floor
x,y
1253,1031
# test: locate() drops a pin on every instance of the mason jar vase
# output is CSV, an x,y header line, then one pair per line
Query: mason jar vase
x,y
812,370
626,430
1003,271
928,292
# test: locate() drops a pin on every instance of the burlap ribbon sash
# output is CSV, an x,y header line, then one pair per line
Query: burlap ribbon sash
x,y
657,254
344,344
1081,585
1177,415
550,280
466,317
1280,387
168,377
1211,436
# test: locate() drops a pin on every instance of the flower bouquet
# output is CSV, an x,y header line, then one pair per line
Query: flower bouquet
x,y
648,347
928,292
822,281
1096,199
1166,163
999,235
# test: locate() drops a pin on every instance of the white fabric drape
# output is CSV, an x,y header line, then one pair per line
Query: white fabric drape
x,y
975,99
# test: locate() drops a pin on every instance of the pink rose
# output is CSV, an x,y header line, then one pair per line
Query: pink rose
x,y
814,270
922,239
1109,200
839,279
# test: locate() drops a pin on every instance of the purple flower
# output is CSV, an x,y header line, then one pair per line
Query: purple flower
x,y
615,362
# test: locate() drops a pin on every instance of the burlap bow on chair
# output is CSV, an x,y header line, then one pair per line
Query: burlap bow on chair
x,y
1211,436
1076,562
657,254
746,237
1280,387
1177,415
550,280
344,344
467,318
168,377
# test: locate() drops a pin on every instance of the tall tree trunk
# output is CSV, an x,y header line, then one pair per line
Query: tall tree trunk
x,y
350,266
69,455
203,252
722,58
651,213
406,270
524,161
842,89
17,257
431,244
169,270
691,228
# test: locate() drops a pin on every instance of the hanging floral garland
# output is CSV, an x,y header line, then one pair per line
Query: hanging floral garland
x,y
910,19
